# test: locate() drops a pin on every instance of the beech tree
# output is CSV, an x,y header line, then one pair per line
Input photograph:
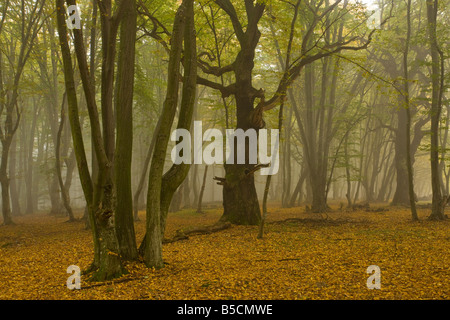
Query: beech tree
x,y
25,19
109,208
162,186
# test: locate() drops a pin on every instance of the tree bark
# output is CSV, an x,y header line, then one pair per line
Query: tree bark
x,y
412,199
240,200
4,181
100,194
64,192
437,68
143,176
161,188
15,203
124,222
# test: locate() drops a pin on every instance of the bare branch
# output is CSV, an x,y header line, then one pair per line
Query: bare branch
x,y
226,91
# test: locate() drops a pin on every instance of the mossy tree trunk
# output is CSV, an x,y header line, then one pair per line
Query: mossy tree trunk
x,y
100,191
161,187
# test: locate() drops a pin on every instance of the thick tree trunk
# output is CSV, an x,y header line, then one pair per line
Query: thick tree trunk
x,y
240,200
319,201
124,141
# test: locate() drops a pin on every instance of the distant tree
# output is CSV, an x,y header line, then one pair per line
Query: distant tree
x,y
25,19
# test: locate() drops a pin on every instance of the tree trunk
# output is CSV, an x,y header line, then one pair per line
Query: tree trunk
x,y
143,176
124,222
161,188
264,208
15,204
408,119
437,72
54,193
401,195
240,200
202,190
298,189
99,194
348,194
186,193
194,183
4,181
64,192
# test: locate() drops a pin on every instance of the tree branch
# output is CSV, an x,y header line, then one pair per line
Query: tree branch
x,y
214,70
225,91
228,7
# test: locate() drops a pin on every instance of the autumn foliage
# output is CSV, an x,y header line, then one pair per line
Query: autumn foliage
x,y
301,256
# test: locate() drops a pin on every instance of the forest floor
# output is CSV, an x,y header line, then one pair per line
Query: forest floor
x,y
302,256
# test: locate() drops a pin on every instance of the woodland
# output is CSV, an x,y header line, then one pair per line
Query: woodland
x,y
92,93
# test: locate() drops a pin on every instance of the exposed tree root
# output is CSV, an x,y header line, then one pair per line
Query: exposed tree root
x,y
184,234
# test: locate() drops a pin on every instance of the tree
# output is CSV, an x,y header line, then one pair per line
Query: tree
x,y
162,186
124,136
437,80
412,197
100,191
27,23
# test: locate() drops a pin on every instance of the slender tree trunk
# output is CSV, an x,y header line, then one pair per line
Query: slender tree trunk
x,y
408,119
437,212
15,203
64,192
161,188
202,190
4,181
194,183
348,195
298,188
143,176
264,207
